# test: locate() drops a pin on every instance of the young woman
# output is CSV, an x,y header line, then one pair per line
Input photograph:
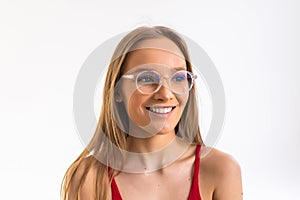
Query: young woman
x,y
147,144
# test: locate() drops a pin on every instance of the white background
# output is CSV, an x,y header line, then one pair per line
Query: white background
x,y
254,44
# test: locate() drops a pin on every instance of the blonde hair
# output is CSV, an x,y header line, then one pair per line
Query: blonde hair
x,y
107,123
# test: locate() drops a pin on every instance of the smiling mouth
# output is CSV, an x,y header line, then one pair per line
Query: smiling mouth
x,y
161,110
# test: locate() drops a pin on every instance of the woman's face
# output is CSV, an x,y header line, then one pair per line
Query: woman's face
x,y
163,108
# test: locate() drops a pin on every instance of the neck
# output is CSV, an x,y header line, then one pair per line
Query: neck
x,y
151,144
150,154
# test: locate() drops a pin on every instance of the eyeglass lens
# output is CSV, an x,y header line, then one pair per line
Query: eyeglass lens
x,y
149,81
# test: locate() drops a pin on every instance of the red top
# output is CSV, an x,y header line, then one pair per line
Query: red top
x,y
194,192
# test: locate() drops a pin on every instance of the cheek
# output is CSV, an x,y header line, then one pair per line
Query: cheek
x,y
182,100
127,89
136,110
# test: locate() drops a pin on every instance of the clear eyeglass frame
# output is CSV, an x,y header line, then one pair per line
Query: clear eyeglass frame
x,y
136,75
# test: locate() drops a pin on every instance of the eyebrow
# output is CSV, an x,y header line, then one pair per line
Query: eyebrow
x,y
181,68
139,69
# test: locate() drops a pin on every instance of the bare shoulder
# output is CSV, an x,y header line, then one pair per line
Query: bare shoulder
x,y
82,181
222,172
218,161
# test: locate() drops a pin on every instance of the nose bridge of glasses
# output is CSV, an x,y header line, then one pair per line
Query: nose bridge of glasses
x,y
165,82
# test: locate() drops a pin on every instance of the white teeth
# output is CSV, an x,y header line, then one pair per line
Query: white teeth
x,y
160,110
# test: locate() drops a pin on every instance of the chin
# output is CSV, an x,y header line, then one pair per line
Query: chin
x,y
166,130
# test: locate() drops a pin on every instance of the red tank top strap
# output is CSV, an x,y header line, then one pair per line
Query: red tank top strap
x,y
115,193
194,192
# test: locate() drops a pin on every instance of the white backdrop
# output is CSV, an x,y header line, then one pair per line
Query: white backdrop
x,y
254,44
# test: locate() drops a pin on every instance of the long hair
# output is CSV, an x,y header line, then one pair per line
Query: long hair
x,y
107,126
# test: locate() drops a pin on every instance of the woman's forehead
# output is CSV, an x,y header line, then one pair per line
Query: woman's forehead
x,y
162,43
153,59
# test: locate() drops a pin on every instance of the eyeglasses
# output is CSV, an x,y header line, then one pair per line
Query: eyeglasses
x,y
149,82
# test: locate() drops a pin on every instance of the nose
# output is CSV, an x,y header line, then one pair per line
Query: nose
x,y
164,93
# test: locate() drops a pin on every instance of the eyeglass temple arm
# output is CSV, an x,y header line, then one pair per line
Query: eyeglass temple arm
x,y
129,76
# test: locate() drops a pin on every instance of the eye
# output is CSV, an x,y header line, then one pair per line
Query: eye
x,y
179,77
148,77
145,78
